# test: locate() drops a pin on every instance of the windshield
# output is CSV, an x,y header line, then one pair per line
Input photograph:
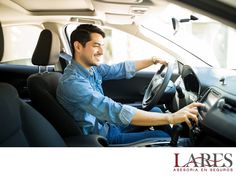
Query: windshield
x,y
209,40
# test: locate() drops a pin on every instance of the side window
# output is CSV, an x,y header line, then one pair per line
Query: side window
x,y
20,42
120,46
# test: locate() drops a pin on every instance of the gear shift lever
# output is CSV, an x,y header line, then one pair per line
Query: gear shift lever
x,y
176,131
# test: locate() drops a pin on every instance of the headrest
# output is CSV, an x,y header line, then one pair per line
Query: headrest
x,y
1,42
47,49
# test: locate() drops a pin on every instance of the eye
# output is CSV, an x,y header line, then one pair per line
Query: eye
x,y
96,45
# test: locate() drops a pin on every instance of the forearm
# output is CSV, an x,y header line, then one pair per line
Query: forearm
x,y
145,118
141,64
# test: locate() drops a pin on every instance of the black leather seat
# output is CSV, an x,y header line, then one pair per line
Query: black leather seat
x,y
21,125
42,86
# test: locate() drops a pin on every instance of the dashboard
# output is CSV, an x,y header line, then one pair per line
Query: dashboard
x,y
217,120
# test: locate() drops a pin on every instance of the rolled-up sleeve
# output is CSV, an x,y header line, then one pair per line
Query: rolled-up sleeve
x,y
117,71
126,114
130,69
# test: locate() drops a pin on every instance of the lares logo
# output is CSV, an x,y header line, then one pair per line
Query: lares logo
x,y
203,162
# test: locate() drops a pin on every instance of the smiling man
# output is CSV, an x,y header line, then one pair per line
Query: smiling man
x,y
80,92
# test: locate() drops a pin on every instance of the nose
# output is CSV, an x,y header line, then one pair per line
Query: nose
x,y
100,50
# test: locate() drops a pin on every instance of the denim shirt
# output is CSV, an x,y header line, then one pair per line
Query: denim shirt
x,y
81,94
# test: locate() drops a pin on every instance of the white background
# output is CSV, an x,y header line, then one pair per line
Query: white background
x,y
105,162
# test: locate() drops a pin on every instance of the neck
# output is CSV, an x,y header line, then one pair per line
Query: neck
x,y
77,60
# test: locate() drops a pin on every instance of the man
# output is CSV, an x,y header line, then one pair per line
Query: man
x,y
80,92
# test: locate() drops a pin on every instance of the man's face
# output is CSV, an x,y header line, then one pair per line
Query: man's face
x,y
91,54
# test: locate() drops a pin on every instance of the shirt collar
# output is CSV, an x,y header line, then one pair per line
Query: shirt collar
x,y
79,68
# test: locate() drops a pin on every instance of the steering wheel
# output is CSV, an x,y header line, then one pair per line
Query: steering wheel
x,y
157,86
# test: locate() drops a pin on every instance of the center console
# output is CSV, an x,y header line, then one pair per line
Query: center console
x,y
209,99
217,123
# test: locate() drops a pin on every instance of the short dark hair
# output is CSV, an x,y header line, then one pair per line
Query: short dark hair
x,y
82,35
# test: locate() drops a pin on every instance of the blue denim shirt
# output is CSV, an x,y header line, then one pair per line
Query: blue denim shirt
x,y
80,92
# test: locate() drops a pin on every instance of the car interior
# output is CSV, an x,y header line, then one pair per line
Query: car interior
x,y
35,49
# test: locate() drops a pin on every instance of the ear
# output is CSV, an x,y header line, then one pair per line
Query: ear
x,y
77,46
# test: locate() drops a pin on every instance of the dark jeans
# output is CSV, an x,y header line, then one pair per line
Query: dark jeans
x,y
129,134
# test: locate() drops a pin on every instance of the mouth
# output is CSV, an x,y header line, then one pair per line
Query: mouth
x,y
98,57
